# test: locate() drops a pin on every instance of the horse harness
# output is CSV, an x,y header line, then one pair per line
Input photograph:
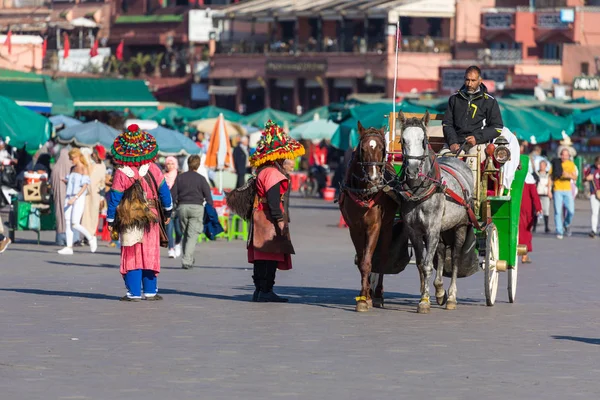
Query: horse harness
x,y
365,198
424,192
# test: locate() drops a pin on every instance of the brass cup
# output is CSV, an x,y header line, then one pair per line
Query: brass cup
x,y
521,249
501,265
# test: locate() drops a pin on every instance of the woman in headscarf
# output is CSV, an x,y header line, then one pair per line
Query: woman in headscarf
x,y
91,213
270,247
171,172
59,191
138,190
531,207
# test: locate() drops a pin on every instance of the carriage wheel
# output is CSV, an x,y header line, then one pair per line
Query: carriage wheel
x,y
512,279
492,252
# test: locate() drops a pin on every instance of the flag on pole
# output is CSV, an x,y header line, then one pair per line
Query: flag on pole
x,y
44,47
66,46
119,52
8,42
94,49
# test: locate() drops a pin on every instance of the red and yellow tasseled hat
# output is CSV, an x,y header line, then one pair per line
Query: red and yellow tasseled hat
x,y
274,145
134,147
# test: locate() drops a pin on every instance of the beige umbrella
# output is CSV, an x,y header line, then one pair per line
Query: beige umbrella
x,y
207,125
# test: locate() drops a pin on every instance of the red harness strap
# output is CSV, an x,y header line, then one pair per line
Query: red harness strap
x,y
368,204
457,198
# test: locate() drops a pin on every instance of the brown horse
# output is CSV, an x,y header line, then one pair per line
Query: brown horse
x,y
366,209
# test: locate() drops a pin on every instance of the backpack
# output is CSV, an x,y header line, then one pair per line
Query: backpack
x,y
557,169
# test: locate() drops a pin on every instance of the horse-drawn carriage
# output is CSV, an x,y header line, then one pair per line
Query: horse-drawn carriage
x,y
458,219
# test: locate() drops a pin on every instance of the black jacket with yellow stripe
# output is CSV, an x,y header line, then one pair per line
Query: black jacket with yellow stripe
x,y
475,114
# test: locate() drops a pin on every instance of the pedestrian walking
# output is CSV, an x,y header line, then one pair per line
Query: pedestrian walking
x,y
93,201
171,172
190,191
61,169
563,172
270,247
530,209
593,177
544,192
139,197
78,182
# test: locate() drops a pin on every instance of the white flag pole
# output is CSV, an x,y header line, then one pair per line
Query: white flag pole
x,y
393,122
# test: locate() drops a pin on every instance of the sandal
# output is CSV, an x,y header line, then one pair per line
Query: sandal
x,y
526,260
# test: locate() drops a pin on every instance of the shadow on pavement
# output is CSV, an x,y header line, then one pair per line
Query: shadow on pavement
x,y
96,296
595,341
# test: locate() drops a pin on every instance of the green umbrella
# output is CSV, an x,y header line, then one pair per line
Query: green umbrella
x,y
213,112
21,127
315,130
260,118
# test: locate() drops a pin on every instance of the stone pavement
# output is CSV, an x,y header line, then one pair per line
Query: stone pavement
x,y
65,336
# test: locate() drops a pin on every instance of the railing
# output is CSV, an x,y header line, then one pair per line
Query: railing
x,y
280,47
427,44
464,62
29,3
355,46
500,54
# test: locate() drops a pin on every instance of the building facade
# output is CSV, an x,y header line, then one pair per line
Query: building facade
x,y
520,46
298,55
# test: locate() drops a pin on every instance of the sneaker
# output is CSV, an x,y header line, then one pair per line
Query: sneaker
x,y
4,244
93,244
171,253
568,232
187,266
66,251
592,234
154,297
559,236
177,250
127,298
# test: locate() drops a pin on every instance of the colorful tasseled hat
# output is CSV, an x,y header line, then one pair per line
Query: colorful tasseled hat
x,y
134,147
275,145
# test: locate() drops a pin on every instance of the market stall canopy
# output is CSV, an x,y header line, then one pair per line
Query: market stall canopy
x,y
173,143
207,125
109,94
320,112
89,134
536,126
315,130
214,112
260,118
26,89
22,127
62,121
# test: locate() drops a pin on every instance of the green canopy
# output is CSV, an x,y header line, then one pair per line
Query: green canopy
x,y
91,94
587,117
369,115
315,130
213,112
260,118
322,112
22,127
536,126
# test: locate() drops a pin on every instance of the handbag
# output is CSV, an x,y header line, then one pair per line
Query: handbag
x,y
162,228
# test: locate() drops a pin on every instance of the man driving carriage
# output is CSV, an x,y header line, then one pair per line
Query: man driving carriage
x,y
472,117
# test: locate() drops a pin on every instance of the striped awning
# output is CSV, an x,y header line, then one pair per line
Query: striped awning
x,y
268,10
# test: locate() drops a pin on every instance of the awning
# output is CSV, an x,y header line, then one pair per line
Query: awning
x,y
109,94
222,90
27,92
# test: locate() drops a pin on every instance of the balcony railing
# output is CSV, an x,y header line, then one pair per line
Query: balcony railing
x,y
510,55
355,46
427,44
28,3
328,46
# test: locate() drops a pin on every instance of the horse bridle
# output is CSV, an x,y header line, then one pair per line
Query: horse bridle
x,y
422,158
367,164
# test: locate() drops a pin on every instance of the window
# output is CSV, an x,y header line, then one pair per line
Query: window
x,y
552,51
585,68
